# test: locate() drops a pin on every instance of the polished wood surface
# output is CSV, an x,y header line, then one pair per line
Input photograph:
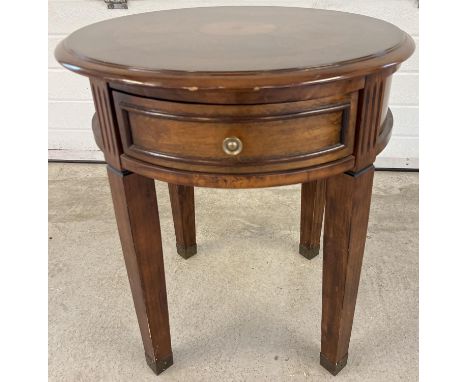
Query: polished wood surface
x,y
300,95
190,136
136,212
235,39
346,215
232,40
312,208
183,213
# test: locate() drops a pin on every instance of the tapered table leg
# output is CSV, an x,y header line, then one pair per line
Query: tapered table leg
x,y
312,207
136,211
183,213
348,200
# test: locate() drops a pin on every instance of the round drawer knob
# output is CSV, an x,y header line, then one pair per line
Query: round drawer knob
x,y
232,145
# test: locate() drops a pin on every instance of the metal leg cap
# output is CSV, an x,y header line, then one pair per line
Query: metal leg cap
x,y
308,252
333,368
159,365
186,252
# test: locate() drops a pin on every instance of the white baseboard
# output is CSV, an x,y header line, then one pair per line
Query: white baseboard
x,y
71,155
96,155
397,163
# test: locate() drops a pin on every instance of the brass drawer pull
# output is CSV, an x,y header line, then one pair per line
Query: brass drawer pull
x,y
232,145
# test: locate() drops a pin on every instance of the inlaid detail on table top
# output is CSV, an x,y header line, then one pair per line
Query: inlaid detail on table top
x,y
210,41
303,91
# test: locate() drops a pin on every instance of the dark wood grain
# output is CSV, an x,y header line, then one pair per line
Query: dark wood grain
x,y
312,208
96,127
136,212
240,47
235,39
346,216
183,213
247,95
252,180
385,132
108,136
369,121
305,91
190,136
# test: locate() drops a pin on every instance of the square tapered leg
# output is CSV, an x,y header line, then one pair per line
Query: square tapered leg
x,y
312,208
136,211
183,214
348,200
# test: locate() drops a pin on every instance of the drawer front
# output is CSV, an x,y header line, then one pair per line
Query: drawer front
x,y
236,138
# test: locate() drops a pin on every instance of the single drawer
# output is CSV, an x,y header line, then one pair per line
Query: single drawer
x,y
236,138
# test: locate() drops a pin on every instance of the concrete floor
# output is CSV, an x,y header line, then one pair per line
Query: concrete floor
x,y
246,307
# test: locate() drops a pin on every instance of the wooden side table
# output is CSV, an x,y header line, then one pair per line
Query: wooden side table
x,y
241,97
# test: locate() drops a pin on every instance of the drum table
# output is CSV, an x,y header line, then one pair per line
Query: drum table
x,y
241,97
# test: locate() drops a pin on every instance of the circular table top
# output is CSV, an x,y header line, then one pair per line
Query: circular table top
x,y
239,41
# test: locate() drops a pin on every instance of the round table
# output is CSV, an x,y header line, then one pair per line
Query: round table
x,y
241,97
